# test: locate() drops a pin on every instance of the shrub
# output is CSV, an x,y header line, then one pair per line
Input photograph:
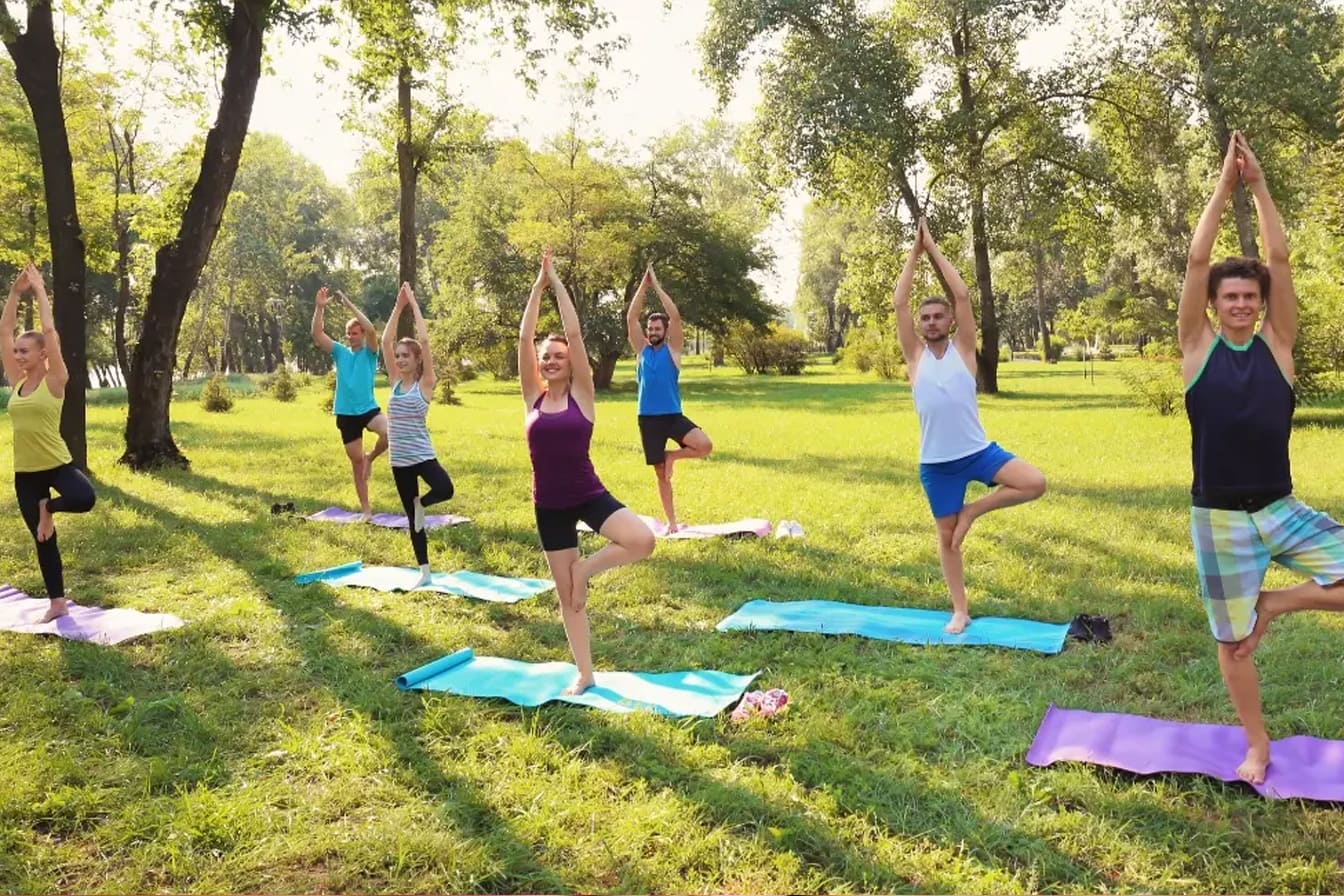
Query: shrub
x,y
776,350
450,374
330,401
1155,384
283,386
1161,350
871,348
216,396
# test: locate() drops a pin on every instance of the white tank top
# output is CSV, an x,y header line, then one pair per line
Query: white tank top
x,y
949,419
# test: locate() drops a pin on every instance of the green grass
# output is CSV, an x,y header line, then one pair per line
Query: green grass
x,y
263,747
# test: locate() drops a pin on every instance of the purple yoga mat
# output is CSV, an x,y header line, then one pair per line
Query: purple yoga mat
x,y
386,520
20,613
1301,767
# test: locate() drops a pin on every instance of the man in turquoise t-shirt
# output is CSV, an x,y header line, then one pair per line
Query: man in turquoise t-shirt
x,y
658,369
355,408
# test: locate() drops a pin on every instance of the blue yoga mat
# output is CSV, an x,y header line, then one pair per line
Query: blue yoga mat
x,y
499,589
830,617
691,693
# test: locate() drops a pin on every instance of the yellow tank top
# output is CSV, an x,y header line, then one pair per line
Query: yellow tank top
x,y
37,429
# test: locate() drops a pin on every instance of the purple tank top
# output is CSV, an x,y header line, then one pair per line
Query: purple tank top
x,y
562,473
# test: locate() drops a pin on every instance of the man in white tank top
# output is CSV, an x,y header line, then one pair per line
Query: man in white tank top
x,y
953,450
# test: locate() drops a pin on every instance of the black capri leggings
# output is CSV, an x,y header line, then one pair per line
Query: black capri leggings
x,y
408,483
75,496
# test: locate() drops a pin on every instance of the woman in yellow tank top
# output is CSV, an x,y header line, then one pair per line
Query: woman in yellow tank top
x,y
36,370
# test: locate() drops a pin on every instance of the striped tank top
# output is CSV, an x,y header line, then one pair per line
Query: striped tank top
x,y
407,436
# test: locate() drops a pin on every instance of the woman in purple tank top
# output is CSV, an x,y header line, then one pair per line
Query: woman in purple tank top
x,y
557,383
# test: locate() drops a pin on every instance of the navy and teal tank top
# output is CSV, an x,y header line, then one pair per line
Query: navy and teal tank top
x,y
658,377
1240,407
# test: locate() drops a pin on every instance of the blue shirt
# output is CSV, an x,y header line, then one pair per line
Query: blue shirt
x,y
658,374
354,379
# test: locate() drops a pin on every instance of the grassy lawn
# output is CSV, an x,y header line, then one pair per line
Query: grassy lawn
x,y
263,747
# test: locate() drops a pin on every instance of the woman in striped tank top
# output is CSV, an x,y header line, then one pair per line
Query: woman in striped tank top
x,y
42,462
411,369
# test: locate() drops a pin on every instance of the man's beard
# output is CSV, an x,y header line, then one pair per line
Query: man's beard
x,y
656,340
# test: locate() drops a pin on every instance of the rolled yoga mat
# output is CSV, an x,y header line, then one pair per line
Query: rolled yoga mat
x,y
691,693
497,589
1300,767
903,624
386,520
20,613
754,527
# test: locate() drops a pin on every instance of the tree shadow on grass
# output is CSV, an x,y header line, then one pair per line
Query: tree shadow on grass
x,y
363,687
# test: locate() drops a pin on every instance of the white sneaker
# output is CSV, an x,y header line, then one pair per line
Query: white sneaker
x,y
782,530
795,529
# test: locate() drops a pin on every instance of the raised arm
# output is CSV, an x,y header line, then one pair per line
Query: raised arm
x,y
9,320
964,337
390,331
529,377
427,376
320,337
57,374
578,355
1281,304
1193,330
905,287
676,334
634,333
370,334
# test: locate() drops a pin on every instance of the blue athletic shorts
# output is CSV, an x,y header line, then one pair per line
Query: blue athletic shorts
x,y
945,483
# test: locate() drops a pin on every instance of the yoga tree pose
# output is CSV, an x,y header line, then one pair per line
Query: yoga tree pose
x,y
953,449
410,451
42,462
557,385
658,369
356,409
1239,399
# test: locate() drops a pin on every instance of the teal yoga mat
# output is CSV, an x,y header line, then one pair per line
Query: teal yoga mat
x,y
910,626
690,693
499,589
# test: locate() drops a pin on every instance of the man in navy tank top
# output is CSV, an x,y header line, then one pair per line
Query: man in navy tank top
x,y
658,369
953,449
1239,398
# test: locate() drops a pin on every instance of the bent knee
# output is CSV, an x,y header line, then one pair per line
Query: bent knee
x,y
1036,486
642,545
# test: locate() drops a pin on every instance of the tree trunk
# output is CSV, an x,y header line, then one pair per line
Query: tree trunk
x,y
604,369
987,359
1042,319
37,68
408,175
149,439
277,342
121,222
1222,132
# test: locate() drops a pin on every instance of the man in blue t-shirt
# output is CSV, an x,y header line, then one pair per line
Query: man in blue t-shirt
x,y
355,408
658,369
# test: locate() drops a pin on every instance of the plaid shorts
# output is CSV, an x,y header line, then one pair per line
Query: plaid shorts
x,y
1233,550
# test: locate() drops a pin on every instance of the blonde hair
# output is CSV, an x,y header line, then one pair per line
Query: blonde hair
x,y
36,336
417,351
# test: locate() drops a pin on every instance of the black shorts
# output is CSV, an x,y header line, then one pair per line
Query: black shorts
x,y
558,528
656,429
352,425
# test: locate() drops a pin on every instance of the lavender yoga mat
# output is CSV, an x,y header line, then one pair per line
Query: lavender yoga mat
x,y
757,527
1301,767
386,520
20,613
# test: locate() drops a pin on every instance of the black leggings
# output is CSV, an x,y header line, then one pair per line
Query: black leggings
x,y
75,496
408,483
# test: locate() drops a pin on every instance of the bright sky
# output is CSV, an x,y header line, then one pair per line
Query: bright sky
x,y
652,87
